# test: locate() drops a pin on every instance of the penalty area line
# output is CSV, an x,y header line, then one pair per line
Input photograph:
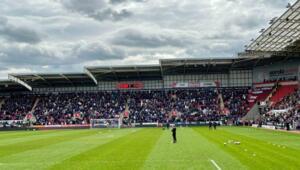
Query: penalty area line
x,y
215,164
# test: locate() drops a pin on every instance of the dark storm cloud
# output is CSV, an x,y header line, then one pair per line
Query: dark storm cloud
x,y
18,34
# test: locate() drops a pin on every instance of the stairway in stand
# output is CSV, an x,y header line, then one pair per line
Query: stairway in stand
x,y
2,101
37,100
258,94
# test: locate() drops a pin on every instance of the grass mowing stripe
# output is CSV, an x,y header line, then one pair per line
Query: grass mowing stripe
x,y
215,164
291,154
19,134
46,157
235,151
269,136
128,152
191,152
253,153
39,143
29,137
276,140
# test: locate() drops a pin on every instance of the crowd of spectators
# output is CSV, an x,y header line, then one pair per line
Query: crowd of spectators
x,y
16,107
285,113
203,104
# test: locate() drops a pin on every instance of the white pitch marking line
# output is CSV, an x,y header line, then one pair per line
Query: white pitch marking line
x,y
215,164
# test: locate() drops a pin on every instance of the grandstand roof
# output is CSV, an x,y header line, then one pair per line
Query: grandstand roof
x,y
93,75
10,86
283,34
195,66
125,73
52,80
278,43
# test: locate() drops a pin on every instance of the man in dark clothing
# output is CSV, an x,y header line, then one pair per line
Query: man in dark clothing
x,y
287,124
215,125
210,125
174,134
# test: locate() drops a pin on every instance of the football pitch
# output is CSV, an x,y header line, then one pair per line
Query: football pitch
x,y
150,148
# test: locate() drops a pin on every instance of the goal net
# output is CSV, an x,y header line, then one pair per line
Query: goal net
x,y
105,123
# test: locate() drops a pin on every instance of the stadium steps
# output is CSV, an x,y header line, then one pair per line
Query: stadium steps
x,y
258,94
253,114
281,92
221,103
2,101
36,102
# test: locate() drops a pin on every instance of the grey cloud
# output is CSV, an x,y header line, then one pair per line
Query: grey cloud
x,y
97,9
124,1
84,6
249,21
137,38
97,51
3,21
161,28
24,35
80,52
18,34
222,35
26,55
110,14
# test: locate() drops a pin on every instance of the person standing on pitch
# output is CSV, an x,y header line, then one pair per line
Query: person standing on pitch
x,y
174,134
215,125
210,125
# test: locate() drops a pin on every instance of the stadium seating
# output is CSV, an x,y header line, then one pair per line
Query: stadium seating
x,y
285,111
258,94
144,106
281,92
16,107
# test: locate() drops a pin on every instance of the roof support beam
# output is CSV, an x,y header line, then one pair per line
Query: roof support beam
x,y
21,82
90,75
137,72
40,77
62,75
114,73
281,30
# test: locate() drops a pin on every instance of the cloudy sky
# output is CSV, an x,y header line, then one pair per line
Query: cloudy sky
x,y
65,35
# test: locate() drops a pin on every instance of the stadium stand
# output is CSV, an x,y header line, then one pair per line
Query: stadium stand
x,y
181,90
16,107
144,106
257,87
287,111
283,90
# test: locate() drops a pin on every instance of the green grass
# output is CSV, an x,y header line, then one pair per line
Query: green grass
x,y
197,148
